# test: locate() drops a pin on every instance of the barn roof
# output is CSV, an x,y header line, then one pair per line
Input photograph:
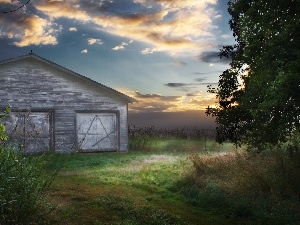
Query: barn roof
x,y
76,75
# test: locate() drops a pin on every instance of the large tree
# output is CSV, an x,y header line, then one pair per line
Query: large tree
x,y
258,98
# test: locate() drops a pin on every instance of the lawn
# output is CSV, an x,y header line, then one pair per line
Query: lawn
x,y
163,181
138,187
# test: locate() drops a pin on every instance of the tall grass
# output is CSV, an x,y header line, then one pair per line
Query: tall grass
x,y
261,189
160,139
23,185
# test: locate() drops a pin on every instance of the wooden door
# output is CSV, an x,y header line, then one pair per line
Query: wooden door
x,y
97,131
30,131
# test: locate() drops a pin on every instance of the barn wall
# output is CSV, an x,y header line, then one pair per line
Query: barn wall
x,y
34,85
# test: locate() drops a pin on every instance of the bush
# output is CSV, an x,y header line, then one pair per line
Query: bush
x,y
23,187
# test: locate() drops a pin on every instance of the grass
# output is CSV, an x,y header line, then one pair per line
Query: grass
x,y
259,189
134,188
165,180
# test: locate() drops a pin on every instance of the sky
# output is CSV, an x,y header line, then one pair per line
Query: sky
x,y
163,53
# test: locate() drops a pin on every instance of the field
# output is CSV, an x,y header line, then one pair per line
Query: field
x,y
164,180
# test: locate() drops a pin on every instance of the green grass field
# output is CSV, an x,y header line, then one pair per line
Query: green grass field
x,y
138,187
174,181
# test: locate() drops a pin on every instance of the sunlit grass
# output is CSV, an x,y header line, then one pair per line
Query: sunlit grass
x,y
133,188
175,181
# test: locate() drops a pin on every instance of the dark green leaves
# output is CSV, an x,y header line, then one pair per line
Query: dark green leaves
x,y
258,97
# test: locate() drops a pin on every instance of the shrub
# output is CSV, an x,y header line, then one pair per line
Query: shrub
x,y
23,187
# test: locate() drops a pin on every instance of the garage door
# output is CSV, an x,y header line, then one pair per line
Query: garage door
x,y
29,130
97,131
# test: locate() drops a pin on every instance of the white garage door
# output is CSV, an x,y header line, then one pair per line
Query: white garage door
x,y
31,131
97,131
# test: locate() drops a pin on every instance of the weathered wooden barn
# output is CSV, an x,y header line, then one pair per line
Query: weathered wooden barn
x,y
55,109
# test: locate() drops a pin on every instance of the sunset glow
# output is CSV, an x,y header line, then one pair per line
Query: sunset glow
x,y
163,53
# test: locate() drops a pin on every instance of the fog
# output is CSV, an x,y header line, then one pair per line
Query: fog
x,y
172,120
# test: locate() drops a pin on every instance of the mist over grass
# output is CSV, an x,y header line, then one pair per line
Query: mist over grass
x,y
165,120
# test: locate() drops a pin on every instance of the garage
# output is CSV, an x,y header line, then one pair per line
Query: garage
x,y
58,110
97,131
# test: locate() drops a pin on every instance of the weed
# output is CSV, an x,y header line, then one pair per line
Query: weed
x,y
138,214
260,188
23,188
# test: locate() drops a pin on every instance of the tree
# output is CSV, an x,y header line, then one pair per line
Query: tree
x,y
258,98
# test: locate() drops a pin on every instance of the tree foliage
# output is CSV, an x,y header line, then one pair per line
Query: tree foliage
x,y
258,98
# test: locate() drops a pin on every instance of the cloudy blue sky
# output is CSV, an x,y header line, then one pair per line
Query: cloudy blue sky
x,y
164,53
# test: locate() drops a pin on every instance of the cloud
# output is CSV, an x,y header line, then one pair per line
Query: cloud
x,y
117,48
180,63
24,30
120,47
72,29
194,94
200,79
12,6
149,51
177,27
213,58
161,103
155,96
226,36
217,16
177,85
84,51
92,41
189,88
203,73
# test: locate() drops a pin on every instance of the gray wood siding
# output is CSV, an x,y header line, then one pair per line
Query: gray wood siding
x,y
29,84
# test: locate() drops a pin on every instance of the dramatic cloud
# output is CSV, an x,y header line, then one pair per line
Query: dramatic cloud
x,y
84,51
11,6
5,1
26,30
92,41
213,57
161,103
177,27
